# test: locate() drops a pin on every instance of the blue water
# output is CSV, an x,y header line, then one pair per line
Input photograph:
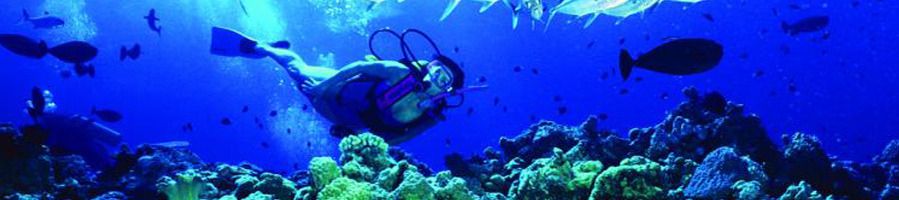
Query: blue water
x,y
846,85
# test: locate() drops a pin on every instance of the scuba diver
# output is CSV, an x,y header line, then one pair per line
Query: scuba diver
x,y
394,99
72,134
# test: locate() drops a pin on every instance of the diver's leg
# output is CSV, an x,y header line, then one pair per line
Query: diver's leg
x,y
295,66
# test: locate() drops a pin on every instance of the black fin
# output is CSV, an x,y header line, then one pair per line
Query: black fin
x,y
281,44
625,64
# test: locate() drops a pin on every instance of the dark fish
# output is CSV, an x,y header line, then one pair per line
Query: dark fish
x,y
133,52
532,118
557,98
37,103
482,79
714,102
245,109
74,52
455,49
664,96
85,70
805,25
151,21
517,68
273,113
495,101
505,109
264,145
792,87
308,144
856,3
189,127
758,74
826,35
470,111
106,115
535,71
24,46
623,91
562,110
289,131
447,142
43,22
603,117
638,79
708,17
795,7
226,121
621,41
678,57
590,44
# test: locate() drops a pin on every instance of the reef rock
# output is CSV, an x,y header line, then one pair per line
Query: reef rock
x,y
719,171
806,160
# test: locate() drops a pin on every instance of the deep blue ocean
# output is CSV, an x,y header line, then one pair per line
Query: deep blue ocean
x,y
840,83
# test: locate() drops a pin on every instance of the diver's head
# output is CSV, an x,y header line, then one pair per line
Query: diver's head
x,y
444,74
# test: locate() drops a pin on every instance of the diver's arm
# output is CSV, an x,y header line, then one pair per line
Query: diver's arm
x,y
295,66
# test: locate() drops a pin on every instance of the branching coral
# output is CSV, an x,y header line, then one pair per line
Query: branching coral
x,y
366,149
347,189
546,178
801,191
324,170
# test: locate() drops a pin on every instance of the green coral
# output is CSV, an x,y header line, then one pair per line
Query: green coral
x,y
357,171
636,178
246,184
367,149
801,190
348,189
546,178
276,186
448,187
187,185
259,196
323,170
584,174
390,178
413,187
748,190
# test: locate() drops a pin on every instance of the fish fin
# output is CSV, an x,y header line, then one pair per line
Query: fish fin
x,y
44,49
625,64
785,26
449,9
591,20
515,17
486,6
123,53
552,14
281,44
25,15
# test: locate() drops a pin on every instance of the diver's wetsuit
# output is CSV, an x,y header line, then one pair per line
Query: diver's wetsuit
x,y
346,97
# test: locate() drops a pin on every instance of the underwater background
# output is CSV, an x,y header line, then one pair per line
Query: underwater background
x,y
839,84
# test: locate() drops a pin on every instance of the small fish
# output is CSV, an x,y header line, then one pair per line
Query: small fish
x,y
603,116
805,25
792,87
65,74
708,17
24,46
482,79
308,144
289,131
151,21
535,71
447,142
43,22
517,68
74,52
245,109
621,41
106,115
133,52
264,145
744,56
226,121
470,111
505,109
495,101
758,74
590,44
273,113
85,70
678,57
189,127
624,91
456,49
562,110
557,98
486,4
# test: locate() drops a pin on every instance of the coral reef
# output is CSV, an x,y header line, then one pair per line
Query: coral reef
x,y
706,148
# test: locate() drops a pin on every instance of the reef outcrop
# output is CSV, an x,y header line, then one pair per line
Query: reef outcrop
x,y
706,148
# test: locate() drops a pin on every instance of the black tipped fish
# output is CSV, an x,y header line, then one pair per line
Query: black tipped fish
x,y
24,46
678,57
805,25
151,21
133,52
106,115
74,52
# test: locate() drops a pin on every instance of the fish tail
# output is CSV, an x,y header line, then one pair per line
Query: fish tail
x,y
625,64
785,26
449,9
486,6
43,48
549,20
